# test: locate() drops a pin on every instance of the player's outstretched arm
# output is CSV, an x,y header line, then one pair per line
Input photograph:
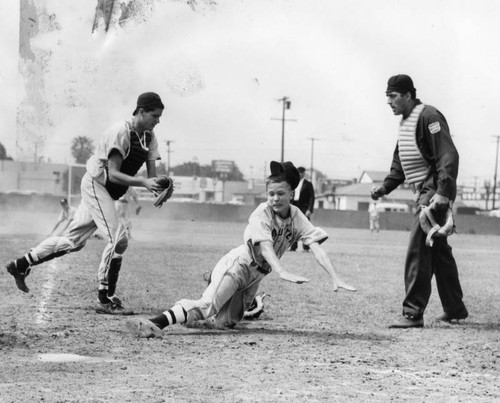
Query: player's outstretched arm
x,y
324,261
270,255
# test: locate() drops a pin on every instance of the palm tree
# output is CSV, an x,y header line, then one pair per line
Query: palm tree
x,y
82,148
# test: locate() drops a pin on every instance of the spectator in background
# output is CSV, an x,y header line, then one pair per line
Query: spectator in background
x,y
304,200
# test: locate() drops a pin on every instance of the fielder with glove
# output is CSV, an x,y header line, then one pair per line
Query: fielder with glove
x,y
121,152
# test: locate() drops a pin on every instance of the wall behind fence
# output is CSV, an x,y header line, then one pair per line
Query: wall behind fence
x,y
466,224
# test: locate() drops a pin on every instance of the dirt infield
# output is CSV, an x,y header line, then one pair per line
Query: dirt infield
x,y
311,344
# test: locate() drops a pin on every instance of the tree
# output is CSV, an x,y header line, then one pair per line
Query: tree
x,y
3,153
82,148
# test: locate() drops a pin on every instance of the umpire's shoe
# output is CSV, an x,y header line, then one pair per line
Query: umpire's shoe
x,y
19,275
408,321
452,317
112,306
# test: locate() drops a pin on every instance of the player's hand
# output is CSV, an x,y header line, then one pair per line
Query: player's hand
x,y
293,278
377,192
439,202
341,284
152,186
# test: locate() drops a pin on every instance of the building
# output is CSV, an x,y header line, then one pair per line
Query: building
x,y
357,195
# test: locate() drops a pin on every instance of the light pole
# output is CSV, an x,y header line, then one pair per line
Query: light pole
x,y
286,105
495,176
312,155
168,142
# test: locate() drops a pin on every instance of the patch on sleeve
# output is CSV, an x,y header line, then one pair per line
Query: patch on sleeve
x,y
434,127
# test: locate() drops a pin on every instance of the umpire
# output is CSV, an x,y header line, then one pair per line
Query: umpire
x,y
304,200
427,159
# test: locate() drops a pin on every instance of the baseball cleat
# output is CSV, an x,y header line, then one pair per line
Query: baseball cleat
x,y
144,329
407,322
113,307
18,275
256,308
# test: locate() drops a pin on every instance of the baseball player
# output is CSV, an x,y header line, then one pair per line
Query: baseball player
x,y
235,280
121,152
65,218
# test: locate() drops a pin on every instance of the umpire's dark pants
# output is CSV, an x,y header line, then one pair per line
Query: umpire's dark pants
x,y
422,262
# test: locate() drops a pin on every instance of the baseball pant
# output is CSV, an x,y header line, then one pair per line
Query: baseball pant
x,y
96,211
422,262
234,284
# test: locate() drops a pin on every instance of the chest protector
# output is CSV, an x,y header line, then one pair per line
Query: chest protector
x,y
136,157
415,167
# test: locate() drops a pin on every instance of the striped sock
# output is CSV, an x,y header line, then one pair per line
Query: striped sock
x,y
174,315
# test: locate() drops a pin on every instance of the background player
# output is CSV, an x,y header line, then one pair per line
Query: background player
x,y
374,216
235,280
123,209
121,152
65,218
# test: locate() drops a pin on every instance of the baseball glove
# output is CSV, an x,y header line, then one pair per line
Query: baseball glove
x,y
256,308
430,226
168,188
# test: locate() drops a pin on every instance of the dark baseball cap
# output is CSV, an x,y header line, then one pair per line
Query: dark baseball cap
x,y
150,101
288,169
301,169
400,83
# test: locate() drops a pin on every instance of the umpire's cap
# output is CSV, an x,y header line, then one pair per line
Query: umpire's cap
x,y
401,83
288,169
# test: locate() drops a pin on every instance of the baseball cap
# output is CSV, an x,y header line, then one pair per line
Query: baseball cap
x,y
149,100
301,170
401,83
288,169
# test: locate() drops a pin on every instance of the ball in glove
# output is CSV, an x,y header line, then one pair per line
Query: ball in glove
x,y
167,184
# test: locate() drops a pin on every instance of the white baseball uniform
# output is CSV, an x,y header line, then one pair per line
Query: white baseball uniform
x,y
236,277
97,207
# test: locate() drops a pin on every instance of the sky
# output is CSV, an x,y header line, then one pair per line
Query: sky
x,y
222,69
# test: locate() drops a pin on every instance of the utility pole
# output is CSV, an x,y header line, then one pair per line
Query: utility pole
x,y
168,142
286,105
312,155
495,176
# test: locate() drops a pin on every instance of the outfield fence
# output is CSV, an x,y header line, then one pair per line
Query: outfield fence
x,y
49,204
